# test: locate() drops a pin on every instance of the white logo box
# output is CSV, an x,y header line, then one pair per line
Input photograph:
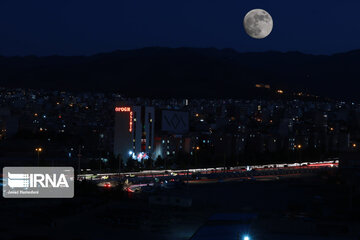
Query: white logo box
x,y
38,182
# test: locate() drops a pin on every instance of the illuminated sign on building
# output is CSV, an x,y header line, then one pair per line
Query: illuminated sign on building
x,y
126,109
175,121
122,109
131,122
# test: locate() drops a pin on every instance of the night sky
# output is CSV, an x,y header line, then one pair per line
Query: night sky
x,y
83,27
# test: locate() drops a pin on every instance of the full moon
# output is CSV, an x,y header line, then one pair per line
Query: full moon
x,y
258,23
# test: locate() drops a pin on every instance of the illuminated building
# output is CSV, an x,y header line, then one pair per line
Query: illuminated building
x,y
134,132
171,136
123,136
144,129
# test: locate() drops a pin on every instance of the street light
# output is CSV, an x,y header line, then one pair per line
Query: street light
x,y
38,150
299,146
246,237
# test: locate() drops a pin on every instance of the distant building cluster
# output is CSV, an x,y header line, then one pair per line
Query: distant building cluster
x,y
143,132
104,126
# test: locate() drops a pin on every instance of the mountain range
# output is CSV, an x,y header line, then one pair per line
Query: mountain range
x,y
193,72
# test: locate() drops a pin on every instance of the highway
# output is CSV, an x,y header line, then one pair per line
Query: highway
x,y
161,173
136,180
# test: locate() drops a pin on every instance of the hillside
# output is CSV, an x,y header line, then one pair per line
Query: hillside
x,y
187,72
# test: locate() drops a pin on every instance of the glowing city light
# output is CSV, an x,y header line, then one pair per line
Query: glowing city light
x,y
140,156
126,109
38,149
122,109
131,122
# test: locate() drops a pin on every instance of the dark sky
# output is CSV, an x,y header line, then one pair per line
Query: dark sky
x,y
78,27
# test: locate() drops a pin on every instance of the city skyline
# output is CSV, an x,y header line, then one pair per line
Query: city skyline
x,y
181,120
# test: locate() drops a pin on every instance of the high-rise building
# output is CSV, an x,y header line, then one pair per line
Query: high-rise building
x,y
134,132
172,133
124,131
